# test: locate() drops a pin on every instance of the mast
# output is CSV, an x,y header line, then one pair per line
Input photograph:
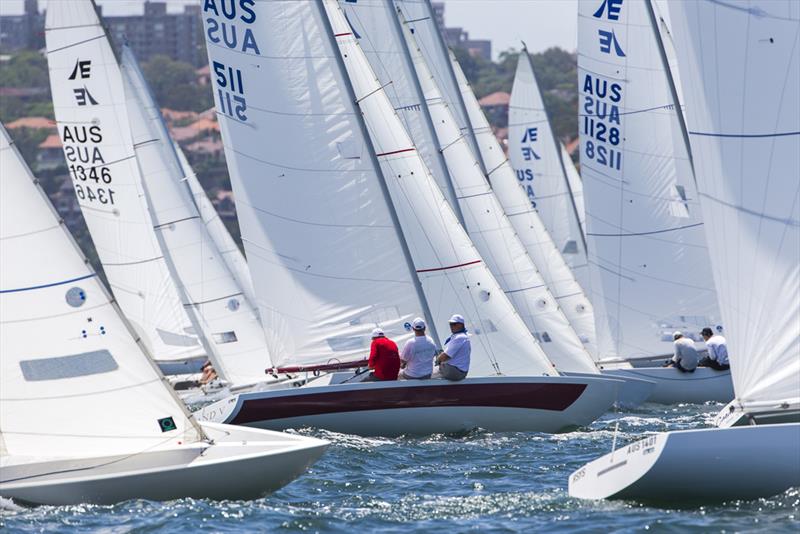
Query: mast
x,y
672,89
459,96
557,144
426,112
379,173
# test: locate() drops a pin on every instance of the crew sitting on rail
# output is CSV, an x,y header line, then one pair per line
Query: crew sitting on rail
x,y
717,347
418,353
685,358
384,360
209,373
454,361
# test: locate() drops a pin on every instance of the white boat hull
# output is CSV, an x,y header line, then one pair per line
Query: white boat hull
x,y
542,404
241,464
696,466
673,386
632,391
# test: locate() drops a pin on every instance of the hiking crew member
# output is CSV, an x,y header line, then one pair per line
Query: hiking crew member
x,y
685,358
717,357
454,361
418,353
384,360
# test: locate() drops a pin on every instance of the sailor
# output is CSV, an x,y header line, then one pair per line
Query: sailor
x,y
454,361
418,353
685,358
209,373
717,347
384,359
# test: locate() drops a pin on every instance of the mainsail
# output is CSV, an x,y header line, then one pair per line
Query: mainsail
x,y
647,250
576,190
227,322
67,358
452,273
541,248
324,252
89,105
536,156
740,66
492,233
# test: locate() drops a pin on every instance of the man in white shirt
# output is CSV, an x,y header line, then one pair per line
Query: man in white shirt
x,y
717,347
685,358
418,353
454,361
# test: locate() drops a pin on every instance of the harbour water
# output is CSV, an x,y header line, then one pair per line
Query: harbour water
x,y
492,482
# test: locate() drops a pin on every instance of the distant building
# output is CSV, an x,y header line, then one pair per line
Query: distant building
x,y
22,31
459,38
51,155
157,32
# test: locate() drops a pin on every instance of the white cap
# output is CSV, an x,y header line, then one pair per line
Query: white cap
x,y
676,334
377,332
456,319
418,324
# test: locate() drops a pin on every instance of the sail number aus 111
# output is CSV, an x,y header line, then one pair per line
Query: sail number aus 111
x,y
230,90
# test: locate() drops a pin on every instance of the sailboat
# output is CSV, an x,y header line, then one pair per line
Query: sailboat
x,y
746,142
86,415
141,213
648,254
397,60
345,229
542,170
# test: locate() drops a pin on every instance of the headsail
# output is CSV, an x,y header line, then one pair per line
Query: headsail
x,y
540,246
64,347
647,249
536,156
453,275
228,323
494,236
740,66
89,104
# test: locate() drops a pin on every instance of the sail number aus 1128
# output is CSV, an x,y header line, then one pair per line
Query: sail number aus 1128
x,y
230,90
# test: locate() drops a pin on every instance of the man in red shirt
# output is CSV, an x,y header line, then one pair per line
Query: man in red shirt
x,y
384,358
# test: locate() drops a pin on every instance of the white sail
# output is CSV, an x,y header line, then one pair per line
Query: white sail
x,y
228,323
452,273
536,156
89,105
70,370
325,255
374,24
576,189
534,236
421,18
227,247
494,236
740,66
647,249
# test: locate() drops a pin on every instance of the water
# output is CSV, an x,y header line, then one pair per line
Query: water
x,y
493,482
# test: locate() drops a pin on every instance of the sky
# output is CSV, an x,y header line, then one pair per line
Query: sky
x,y
540,23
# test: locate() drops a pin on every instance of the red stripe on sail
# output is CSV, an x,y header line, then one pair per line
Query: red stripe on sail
x,y
448,267
342,34
395,152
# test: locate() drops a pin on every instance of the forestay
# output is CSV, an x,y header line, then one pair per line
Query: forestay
x,y
536,156
326,258
747,157
530,229
647,249
452,273
68,361
89,105
494,236
227,247
227,322
374,24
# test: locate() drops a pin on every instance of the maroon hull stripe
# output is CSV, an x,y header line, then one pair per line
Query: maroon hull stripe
x,y
535,396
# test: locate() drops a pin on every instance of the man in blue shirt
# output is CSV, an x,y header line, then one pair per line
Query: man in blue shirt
x,y
454,361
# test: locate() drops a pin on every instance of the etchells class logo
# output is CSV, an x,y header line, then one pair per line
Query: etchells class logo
x,y
609,10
